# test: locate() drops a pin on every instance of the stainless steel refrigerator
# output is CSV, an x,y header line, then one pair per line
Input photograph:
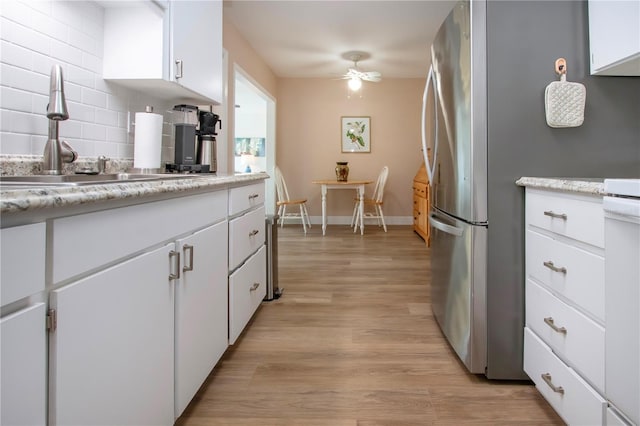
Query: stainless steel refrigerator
x,y
483,120
455,133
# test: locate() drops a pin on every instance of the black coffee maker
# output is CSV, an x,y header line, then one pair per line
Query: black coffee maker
x,y
206,150
195,148
185,122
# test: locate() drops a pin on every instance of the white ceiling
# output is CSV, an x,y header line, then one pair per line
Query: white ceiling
x,y
308,39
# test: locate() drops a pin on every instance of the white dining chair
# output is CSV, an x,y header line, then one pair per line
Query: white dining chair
x,y
373,205
283,201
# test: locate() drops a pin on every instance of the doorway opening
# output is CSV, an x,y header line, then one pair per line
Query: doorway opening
x,y
254,132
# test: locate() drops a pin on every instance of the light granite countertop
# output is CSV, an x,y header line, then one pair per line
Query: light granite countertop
x,y
27,200
582,185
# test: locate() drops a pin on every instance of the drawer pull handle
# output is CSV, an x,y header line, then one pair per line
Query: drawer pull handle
x,y
189,247
550,323
549,264
254,287
547,379
176,255
252,196
254,232
555,215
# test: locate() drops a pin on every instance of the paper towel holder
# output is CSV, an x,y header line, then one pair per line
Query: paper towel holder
x,y
145,170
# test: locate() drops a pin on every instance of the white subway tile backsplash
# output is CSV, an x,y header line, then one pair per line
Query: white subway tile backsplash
x,y
82,112
70,129
106,117
94,132
64,52
24,36
30,124
17,100
15,143
36,34
94,64
117,134
83,41
13,54
93,97
19,78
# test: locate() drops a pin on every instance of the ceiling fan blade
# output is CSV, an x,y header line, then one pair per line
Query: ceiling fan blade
x,y
372,76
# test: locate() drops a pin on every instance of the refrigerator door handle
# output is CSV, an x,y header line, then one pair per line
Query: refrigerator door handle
x,y
453,230
431,169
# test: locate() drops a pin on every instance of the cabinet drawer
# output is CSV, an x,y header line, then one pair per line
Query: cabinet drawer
x,y
22,267
583,281
87,241
247,288
245,197
246,235
582,342
577,217
579,404
420,190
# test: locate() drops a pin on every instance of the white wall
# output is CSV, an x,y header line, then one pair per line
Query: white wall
x,y
34,35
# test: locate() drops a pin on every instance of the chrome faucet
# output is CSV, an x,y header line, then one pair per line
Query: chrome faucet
x,y
56,151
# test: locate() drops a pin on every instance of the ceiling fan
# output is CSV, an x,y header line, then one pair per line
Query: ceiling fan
x,y
355,76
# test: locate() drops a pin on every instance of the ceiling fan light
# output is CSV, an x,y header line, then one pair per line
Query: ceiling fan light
x,y
355,83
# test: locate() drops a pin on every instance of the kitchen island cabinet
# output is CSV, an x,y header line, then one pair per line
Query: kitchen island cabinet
x,y
173,48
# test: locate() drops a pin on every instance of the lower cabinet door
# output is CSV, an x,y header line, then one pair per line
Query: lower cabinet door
x,y
24,367
111,355
572,398
247,288
201,310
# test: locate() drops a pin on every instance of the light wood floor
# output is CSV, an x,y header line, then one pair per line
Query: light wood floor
x,y
353,342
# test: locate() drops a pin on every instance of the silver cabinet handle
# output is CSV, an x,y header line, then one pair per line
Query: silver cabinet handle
x,y
549,264
254,232
550,323
184,250
175,255
547,379
252,196
254,287
555,215
178,68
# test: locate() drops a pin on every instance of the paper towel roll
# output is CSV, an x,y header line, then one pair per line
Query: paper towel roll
x,y
147,143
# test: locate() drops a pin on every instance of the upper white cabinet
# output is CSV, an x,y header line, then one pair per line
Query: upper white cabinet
x,y
614,37
172,48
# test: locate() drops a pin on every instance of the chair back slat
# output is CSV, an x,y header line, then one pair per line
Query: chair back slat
x,y
281,186
378,191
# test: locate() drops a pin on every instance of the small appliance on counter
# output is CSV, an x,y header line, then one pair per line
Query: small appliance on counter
x,y
206,152
195,148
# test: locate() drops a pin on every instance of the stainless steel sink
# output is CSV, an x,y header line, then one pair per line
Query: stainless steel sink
x,y
82,179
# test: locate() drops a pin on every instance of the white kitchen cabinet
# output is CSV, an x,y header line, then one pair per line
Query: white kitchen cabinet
x,y
23,340
247,288
23,261
614,37
172,48
247,255
564,347
111,354
201,310
24,363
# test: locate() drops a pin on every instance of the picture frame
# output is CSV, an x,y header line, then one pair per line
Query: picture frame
x,y
355,134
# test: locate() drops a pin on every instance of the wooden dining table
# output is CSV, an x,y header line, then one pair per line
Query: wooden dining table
x,y
327,184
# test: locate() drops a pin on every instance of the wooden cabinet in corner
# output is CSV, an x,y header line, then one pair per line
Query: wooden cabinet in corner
x,y
160,46
421,205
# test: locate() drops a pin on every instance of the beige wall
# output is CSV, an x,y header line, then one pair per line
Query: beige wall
x,y
308,132
240,53
309,137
